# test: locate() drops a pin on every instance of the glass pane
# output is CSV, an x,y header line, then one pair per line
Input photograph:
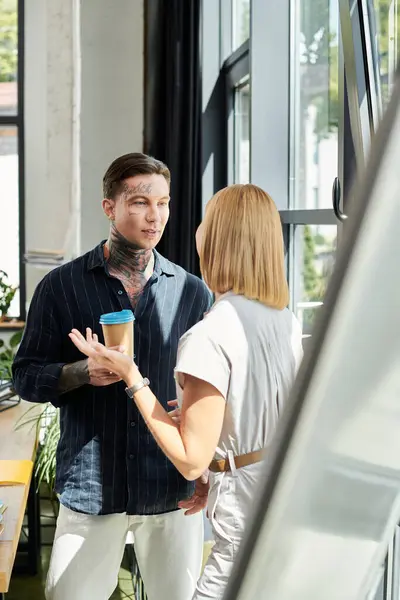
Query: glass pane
x,y
315,100
9,206
330,498
8,57
240,22
387,43
313,261
242,134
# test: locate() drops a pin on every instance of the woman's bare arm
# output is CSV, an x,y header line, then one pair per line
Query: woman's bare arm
x,y
190,446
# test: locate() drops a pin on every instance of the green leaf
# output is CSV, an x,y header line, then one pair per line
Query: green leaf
x,y
45,465
21,421
16,338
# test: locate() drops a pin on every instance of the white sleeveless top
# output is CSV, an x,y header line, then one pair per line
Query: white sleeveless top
x,y
250,353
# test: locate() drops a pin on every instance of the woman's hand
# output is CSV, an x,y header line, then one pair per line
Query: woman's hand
x,y
175,414
198,501
111,360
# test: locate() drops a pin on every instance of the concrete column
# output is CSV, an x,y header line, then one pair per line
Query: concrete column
x,y
83,107
111,120
49,79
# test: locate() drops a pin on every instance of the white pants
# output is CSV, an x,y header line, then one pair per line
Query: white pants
x,y
230,502
88,550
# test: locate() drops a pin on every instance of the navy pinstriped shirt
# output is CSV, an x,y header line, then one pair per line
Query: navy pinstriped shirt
x,y
107,460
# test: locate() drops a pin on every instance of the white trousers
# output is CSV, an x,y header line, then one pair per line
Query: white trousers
x,y
230,501
88,550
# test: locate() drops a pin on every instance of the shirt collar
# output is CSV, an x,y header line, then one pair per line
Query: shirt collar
x,y
162,266
96,257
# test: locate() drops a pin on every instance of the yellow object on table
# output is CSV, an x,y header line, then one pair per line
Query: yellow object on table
x,y
16,446
15,472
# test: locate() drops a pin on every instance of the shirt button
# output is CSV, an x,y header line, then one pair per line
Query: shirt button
x,y
120,292
131,456
133,423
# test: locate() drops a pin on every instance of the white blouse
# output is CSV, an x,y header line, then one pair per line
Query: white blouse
x,y
250,353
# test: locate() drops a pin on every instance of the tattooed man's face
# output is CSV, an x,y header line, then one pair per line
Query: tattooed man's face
x,y
140,211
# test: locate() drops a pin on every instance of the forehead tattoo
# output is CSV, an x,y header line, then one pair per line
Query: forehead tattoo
x,y
140,188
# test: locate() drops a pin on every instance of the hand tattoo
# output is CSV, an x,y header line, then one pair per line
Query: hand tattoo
x,y
73,376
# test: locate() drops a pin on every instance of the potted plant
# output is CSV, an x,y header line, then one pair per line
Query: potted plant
x,y
47,425
46,421
7,293
7,353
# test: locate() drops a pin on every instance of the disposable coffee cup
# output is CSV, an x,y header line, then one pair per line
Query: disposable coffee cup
x,y
118,330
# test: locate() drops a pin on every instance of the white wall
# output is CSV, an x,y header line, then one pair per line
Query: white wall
x,y
112,99
49,76
83,107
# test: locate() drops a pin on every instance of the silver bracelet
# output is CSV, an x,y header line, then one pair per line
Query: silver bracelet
x,y
131,391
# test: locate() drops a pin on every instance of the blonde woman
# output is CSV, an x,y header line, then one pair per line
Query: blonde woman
x,y
234,369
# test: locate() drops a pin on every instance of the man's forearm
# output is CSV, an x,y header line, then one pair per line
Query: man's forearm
x,y
73,376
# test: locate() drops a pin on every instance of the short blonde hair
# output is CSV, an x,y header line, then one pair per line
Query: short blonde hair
x,y
242,246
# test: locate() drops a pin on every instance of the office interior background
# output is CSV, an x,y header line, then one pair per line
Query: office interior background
x,y
224,92
286,94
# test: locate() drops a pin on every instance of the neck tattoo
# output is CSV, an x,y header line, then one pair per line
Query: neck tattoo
x,y
133,266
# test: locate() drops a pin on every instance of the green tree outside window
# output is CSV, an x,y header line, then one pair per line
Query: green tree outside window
x,y
8,41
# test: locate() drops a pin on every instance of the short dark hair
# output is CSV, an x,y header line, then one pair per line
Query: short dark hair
x,y
130,165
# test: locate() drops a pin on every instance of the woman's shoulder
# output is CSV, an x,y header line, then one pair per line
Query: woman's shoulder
x,y
213,326
233,315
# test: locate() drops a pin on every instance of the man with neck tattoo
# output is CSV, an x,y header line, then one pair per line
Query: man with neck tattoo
x,y
111,477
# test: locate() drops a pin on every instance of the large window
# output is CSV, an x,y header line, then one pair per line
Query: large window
x,y
282,111
313,134
277,91
11,168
